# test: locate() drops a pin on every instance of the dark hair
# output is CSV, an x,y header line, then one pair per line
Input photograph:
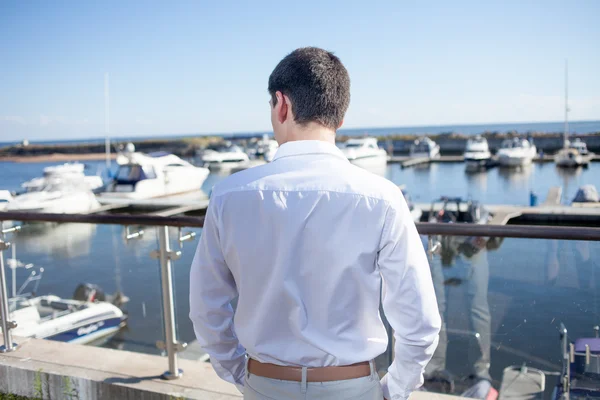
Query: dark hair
x,y
317,84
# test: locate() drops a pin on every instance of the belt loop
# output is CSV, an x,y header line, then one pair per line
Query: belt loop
x,y
373,371
247,372
303,384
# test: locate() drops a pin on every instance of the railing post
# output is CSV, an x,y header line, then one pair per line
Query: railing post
x,y
171,345
5,324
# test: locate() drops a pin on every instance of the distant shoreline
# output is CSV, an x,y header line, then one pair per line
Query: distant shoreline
x,y
576,127
450,143
56,157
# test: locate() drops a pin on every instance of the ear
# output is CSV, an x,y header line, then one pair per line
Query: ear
x,y
282,108
341,123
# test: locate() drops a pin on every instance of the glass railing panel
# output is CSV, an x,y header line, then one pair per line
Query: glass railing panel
x,y
503,303
67,255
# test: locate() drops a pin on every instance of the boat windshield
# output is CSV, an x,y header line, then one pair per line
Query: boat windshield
x,y
353,145
134,173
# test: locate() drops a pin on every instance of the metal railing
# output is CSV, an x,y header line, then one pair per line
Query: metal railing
x,y
166,255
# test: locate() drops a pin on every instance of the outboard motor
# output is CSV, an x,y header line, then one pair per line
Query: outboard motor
x,y
89,292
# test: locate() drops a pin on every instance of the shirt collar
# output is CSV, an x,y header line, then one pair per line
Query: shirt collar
x,y
306,147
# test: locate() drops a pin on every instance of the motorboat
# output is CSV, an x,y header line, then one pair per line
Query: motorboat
x,y
144,176
455,210
364,152
264,148
580,146
223,156
68,171
516,152
5,198
424,148
477,153
579,378
58,195
89,317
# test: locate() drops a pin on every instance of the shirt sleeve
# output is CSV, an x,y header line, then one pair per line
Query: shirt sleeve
x,y
409,302
212,288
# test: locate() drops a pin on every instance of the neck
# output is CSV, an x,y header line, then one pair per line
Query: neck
x,y
311,131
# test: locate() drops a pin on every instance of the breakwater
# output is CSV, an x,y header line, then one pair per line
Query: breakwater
x,y
450,144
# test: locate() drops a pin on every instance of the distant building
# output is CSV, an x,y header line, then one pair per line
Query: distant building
x,y
25,143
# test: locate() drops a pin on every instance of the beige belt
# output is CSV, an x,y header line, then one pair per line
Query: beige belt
x,y
320,374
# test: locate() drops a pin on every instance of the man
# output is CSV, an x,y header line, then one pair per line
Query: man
x,y
303,244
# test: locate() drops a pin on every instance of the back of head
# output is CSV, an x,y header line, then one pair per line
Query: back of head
x,y
317,84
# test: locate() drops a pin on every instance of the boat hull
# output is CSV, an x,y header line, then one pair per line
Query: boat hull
x,y
370,161
89,332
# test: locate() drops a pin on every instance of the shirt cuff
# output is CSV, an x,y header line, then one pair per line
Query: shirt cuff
x,y
386,391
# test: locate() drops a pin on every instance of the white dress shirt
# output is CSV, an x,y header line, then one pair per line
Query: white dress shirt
x,y
305,241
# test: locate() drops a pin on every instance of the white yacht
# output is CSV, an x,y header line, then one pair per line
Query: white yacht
x,y
58,195
68,171
144,176
424,148
223,156
364,152
570,156
477,153
5,198
516,152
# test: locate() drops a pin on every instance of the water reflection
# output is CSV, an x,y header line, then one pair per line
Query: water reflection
x,y
478,179
568,173
461,272
59,240
516,177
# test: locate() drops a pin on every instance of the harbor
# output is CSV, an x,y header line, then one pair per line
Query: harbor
x,y
117,258
203,200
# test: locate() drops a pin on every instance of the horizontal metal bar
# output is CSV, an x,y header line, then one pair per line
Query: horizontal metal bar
x,y
506,231
512,231
109,219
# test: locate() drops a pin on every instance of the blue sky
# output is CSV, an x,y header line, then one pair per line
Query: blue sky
x,y
202,67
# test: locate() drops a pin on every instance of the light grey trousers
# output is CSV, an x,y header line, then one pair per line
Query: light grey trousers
x,y
366,388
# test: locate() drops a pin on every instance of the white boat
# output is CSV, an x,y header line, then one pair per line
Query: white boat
x,y
58,195
424,148
263,148
144,176
5,198
477,153
516,152
364,152
223,156
89,317
580,146
570,156
67,170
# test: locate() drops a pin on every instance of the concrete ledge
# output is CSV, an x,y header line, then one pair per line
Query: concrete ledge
x,y
54,370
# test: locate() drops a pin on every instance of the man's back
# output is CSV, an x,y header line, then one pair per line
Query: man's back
x,y
301,236
305,243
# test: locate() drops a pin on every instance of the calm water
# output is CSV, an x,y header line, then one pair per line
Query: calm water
x,y
578,127
514,295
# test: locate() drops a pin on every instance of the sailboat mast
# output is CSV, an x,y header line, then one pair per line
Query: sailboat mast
x,y
106,121
566,103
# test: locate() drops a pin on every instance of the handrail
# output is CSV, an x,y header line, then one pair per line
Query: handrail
x,y
501,231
